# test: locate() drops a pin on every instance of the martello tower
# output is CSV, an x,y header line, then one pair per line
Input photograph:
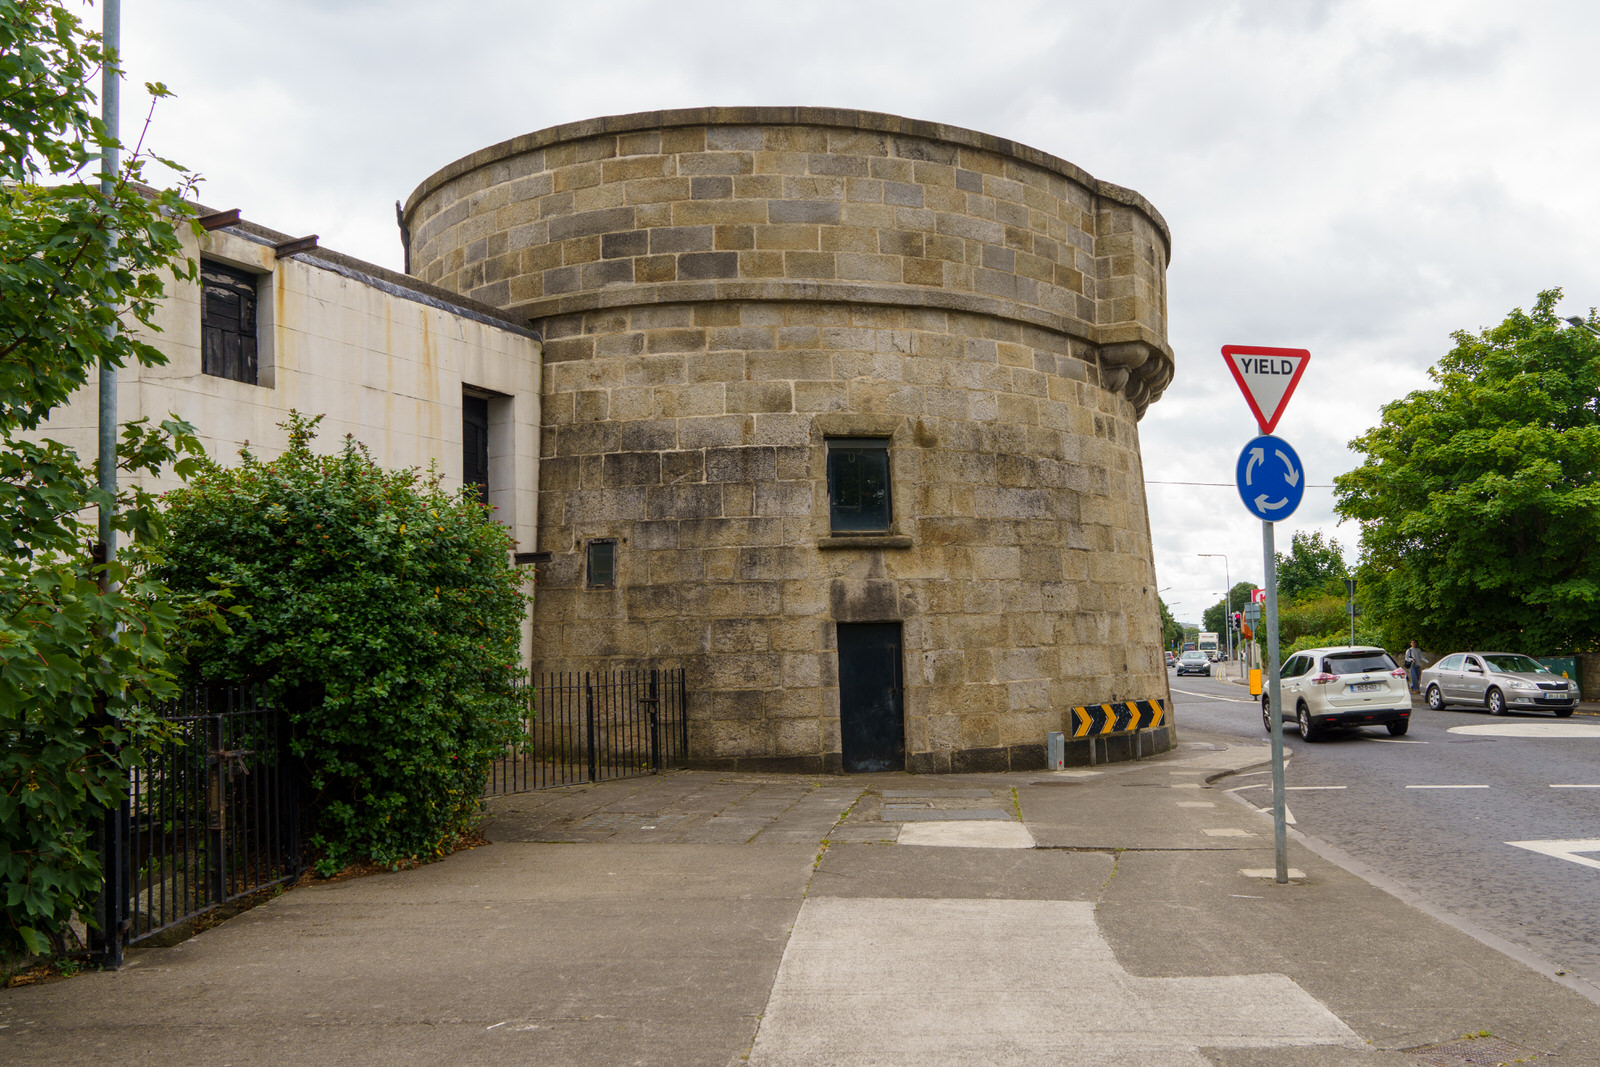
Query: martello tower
x,y
840,413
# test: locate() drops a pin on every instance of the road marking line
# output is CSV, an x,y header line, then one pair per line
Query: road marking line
x,y
1563,850
1212,696
1287,788
1288,816
1447,787
1570,785
1557,729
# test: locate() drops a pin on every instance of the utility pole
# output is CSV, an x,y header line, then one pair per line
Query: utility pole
x,y
1227,601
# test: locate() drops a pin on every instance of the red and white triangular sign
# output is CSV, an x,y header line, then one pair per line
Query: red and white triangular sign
x,y
1267,377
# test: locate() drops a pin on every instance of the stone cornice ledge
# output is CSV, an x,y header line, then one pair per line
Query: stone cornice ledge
x,y
865,541
846,118
818,292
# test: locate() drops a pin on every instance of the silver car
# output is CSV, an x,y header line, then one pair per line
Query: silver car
x,y
1497,681
1345,687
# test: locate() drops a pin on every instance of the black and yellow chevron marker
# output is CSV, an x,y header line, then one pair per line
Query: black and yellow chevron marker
x,y
1093,720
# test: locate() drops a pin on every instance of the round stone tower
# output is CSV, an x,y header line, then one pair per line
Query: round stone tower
x,y
840,414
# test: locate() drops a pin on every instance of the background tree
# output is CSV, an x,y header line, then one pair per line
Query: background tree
x,y
1479,499
82,646
1171,629
1313,566
1216,616
385,614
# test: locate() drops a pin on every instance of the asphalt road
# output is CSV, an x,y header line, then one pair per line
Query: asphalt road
x,y
1439,811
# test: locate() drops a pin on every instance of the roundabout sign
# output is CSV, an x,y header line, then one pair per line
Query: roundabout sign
x,y
1270,477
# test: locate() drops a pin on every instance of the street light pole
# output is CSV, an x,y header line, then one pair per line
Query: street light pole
x,y
1227,600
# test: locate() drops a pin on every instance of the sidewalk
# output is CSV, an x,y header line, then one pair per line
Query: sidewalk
x,y
704,918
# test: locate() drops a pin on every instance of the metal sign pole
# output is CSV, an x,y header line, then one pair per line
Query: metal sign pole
x,y
1280,840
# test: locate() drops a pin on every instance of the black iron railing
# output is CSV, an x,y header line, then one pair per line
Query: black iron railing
x,y
590,727
212,816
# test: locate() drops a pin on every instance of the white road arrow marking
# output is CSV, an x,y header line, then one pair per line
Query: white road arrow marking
x,y
1262,505
1257,455
1563,850
1293,477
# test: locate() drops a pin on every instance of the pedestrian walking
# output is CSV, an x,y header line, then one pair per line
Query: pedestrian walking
x,y
1413,663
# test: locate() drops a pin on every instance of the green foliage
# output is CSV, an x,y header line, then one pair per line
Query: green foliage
x,y
77,263
82,645
1333,639
1312,567
1479,499
1215,617
384,611
1171,629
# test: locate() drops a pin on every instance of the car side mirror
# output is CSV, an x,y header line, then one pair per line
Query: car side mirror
x,y
1474,668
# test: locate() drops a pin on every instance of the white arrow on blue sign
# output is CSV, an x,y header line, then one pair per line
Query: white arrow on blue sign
x,y
1270,478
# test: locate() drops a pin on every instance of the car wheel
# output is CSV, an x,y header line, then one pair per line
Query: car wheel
x,y
1398,727
1435,698
1266,714
1563,713
1496,701
1308,732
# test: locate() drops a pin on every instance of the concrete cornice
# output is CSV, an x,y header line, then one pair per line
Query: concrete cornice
x,y
393,282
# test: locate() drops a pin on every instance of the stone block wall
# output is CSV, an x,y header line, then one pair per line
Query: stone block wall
x,y
722,291
801,204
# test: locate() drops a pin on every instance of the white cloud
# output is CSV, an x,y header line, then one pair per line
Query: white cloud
x,y
1356,177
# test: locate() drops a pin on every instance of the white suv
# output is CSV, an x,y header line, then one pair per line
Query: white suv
x,y
1342,687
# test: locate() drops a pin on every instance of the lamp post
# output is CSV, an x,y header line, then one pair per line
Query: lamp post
x,y
1580,324
1227,599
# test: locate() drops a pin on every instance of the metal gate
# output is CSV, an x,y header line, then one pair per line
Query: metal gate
x,y
590,727
212,816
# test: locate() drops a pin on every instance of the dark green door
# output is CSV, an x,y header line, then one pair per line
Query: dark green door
x,y
871,721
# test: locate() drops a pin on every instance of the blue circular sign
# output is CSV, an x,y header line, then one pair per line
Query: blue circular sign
x,y
1270,477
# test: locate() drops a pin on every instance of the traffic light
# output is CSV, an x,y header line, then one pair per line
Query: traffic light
x,y
1237,620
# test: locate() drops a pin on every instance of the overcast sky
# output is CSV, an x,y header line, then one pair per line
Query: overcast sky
x,y
1354,177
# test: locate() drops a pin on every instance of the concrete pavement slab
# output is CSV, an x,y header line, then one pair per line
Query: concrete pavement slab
x,y
932,982
970,834
891,871
582,954
646,944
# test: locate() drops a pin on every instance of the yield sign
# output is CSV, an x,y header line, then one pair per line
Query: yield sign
x,y
1267,377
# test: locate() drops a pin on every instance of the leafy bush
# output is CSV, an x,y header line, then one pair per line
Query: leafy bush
x,y
384,611
82,643
79,663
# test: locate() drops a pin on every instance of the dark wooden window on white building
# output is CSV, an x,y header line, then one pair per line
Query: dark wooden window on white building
x,y
228,343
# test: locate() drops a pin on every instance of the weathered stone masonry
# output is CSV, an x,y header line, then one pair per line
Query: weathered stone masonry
x,y
723,290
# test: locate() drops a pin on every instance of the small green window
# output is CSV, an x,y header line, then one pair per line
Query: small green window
x,y
602,564
858,484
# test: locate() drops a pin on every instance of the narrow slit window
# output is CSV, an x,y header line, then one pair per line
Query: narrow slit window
x,y
228,346
602,564
858,485
475,443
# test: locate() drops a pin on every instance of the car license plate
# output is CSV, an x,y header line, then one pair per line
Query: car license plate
x,y
1366,687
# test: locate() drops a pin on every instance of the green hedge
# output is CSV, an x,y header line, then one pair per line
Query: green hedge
x,y
386,613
